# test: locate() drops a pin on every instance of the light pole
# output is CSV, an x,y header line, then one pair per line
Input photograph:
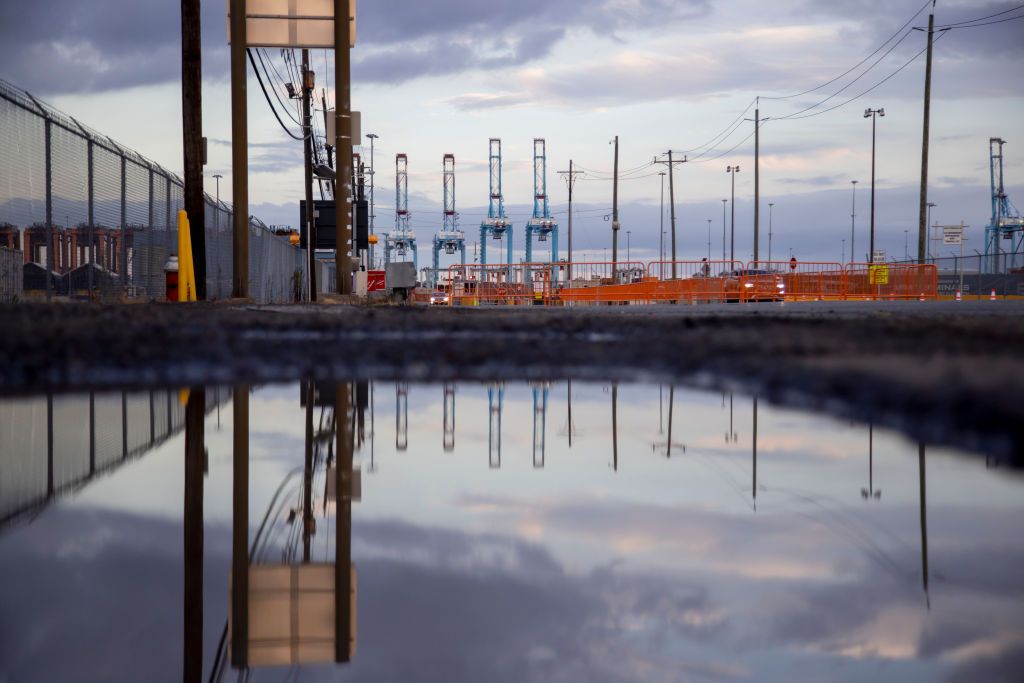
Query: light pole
x,y
853,221
661,250
628,233
843,257
373,137
216,214
733,170
873,114
906,246
709,242
724,202
771,205
931,205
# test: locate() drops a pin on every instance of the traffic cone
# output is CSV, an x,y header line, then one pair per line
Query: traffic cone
x,y
958,295
992,296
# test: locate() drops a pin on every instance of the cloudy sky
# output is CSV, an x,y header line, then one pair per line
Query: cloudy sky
x,y
445,76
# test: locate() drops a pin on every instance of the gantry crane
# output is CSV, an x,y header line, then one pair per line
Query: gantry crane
x,y
403,239
1006,223
450,238
495,406
541,224
540,415
496,225
449,417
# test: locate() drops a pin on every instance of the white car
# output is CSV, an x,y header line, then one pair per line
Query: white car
x,y
439,299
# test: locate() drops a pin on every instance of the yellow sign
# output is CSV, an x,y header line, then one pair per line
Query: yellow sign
x,y
879,275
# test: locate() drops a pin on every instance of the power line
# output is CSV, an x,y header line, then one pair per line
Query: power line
x,y
858,64
274,89
269,101
857,97
953,27
843,89
990,16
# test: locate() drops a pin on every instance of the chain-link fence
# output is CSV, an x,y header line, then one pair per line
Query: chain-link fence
x,y
974,275
91,216
10,275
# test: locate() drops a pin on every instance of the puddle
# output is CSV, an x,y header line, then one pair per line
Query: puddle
x,y
498,532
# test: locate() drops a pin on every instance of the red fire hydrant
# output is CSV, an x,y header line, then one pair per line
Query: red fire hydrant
x,y
171,277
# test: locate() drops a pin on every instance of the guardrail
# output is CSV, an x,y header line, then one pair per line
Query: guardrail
x,y
633,282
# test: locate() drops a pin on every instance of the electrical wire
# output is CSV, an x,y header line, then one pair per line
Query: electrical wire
x,y
843,89
858,96
858,64
990,16
277,94
269,101
987,23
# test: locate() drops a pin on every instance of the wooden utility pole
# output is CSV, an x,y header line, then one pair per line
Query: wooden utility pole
x,y
343,146
615,210
922,227
671,163
570,178
239,155
192,521
192,135
307,148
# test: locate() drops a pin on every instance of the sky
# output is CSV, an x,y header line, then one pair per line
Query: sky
x,y
445,76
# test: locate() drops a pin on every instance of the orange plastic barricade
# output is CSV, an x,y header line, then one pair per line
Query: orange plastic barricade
x,y
694,281
500,284
891,281
793,281
600,283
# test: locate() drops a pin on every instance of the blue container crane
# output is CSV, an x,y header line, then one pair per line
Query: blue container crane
x,y
450,238
541,225
496,225
403,239
1006,224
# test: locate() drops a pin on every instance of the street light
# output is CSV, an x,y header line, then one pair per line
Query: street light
x,y
628,233
853,221
709,242
873,114
771,205
661,252
733,170
216,214
724,202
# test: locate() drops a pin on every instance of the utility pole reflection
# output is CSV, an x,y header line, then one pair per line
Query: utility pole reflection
x,y
754,489
495,405
540,413
615,426
195,457
924,524
870,493
401,416
449,417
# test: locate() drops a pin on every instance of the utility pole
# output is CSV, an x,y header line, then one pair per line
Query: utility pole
x,y
922,228
615,210
873,114
661,248
343,147
733,170
192,137
853,221
757,178
373,181
216,214
709,242
672,200
239,155
570,178
328,144
771,205
307,149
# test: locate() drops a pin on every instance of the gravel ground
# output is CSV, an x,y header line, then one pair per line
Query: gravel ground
x,y
943,372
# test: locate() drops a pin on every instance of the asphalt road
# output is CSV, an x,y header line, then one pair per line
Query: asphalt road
x,y
943,372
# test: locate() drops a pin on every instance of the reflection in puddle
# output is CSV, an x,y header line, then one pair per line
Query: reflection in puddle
x,y
503,531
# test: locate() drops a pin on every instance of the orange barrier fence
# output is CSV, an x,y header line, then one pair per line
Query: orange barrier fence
x,y
632,282
867,281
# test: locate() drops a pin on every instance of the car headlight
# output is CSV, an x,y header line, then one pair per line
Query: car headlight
x,y
748,284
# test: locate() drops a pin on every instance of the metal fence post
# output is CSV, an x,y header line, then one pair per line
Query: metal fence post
x,y
91,202
124,227
49,208
152,218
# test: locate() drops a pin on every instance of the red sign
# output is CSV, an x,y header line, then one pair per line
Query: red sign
x,y
792,263
375,281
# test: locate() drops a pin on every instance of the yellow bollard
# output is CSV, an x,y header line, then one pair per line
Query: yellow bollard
x,y
186,269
